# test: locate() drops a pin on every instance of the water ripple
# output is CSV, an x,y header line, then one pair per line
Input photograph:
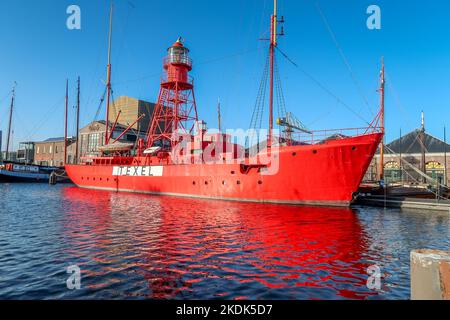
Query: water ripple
x,y
138,247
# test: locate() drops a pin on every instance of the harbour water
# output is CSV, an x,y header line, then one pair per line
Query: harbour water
x,y
131,246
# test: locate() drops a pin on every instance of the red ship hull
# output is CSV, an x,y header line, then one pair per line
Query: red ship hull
x,y
320,174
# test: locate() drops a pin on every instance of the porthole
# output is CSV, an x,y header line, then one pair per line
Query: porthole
x,y
206,182
238,182
353,148
224,182
294,154
315,151
260,182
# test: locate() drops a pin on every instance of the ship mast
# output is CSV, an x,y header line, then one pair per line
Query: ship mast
x,y
108,77
13,97
273,44
382,86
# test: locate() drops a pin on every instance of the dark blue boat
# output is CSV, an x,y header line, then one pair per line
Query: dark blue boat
x,y
17,172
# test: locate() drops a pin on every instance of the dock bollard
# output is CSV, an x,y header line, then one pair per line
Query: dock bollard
x,y
430,275
52,179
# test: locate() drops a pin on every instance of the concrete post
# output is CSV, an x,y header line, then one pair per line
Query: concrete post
x,y
430,275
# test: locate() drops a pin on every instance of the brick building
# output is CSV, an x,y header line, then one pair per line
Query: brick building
x,y
51,152
92,136
130,110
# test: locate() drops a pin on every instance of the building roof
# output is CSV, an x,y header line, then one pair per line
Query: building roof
x,y
111,123
410,143
58,139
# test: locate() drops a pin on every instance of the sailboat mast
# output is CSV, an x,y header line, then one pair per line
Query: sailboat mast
x,y
13,97
66,115
219,115
382,86
273,44
78,120
422,147
108,77
445,156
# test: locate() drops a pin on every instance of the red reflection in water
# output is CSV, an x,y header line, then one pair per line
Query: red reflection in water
x,y
183,244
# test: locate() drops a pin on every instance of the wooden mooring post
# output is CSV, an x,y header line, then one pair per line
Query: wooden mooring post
x,y
53,178
430,275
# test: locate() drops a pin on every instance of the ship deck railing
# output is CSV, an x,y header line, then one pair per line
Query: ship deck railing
x,y
321,136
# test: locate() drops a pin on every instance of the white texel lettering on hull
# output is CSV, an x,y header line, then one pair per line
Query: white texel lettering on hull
x,y
138,171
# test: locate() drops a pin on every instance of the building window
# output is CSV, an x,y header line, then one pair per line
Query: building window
x,y
50,150
435,170
93,142
131,138
392,165
392,172
83,147
37,150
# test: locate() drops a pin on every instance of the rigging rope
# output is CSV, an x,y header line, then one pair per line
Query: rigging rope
x,y
256,120
99,108
45,118
1,101
400,106
328,91
420,173
281,103
343,57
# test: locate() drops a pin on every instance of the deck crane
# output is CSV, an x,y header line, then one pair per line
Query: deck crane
x,y
291,123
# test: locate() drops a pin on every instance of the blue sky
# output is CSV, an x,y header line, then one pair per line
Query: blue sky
x,y
39,52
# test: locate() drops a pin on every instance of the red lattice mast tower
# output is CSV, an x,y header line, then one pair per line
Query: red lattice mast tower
x,y
175,113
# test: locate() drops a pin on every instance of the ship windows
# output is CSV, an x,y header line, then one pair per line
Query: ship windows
x,y
353,148
206,183
238,182
193,183
233,172
260,182
224,182
315,151
294,154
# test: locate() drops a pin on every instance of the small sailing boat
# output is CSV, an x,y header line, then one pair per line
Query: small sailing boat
x,y
13,171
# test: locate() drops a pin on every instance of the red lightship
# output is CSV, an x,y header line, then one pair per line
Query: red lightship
x,y
180,158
